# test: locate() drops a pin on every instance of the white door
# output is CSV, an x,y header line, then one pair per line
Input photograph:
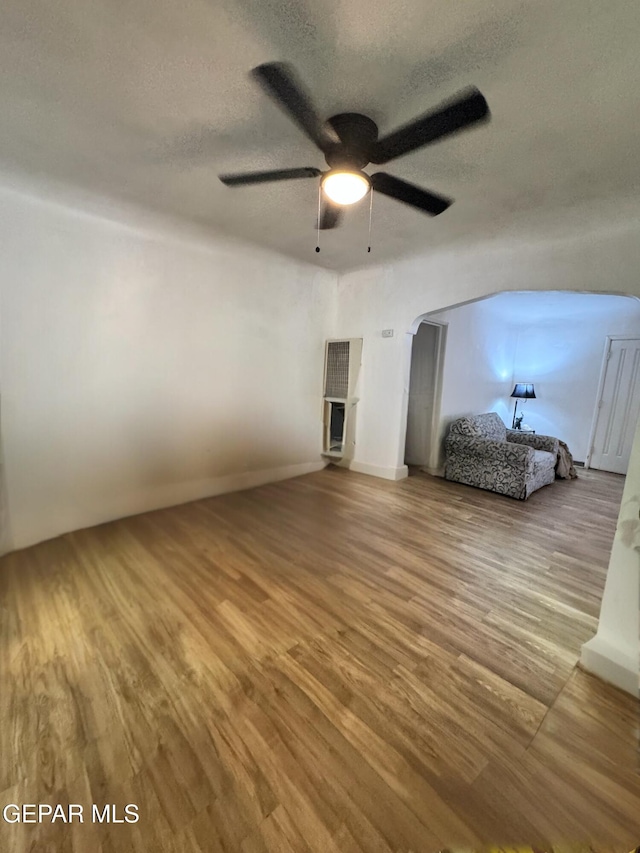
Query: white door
x,y
619,407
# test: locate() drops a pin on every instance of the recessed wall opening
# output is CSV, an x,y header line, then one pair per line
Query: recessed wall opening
x,y
335,437
341,371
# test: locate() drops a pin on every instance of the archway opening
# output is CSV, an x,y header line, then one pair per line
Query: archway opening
x,y
577,348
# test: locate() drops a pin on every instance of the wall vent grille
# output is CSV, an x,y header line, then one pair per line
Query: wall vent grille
x,y
337,375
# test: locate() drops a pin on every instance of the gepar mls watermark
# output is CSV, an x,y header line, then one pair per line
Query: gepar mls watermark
x,y
70,813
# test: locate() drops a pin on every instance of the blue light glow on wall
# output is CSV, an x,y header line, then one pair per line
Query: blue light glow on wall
x,y
555,340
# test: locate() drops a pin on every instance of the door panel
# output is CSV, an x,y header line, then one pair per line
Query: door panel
x,y
619,407
422,386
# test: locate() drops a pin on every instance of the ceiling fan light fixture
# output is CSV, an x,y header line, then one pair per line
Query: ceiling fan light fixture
x,y
345,187
350,142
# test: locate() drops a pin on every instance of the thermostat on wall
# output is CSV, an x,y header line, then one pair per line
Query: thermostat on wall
x,y
387,333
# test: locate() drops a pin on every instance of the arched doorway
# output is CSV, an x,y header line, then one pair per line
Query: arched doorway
x,y
555,339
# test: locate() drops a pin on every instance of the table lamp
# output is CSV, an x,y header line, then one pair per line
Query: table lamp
x,y
521,391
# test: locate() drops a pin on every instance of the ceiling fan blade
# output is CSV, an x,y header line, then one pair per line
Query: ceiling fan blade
x,y
466,109
409,193
330,215
246,178
279,82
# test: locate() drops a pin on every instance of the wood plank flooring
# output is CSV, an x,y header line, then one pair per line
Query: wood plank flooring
x,y
332,663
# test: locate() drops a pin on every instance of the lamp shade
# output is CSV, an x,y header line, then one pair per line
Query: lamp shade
x,y
524,390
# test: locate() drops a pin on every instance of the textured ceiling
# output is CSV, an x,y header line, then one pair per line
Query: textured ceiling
x,y
148,100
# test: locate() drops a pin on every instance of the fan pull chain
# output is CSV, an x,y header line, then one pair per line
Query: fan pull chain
x,y
370,214
319,205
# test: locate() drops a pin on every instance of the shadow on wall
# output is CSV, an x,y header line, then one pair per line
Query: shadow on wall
x,y
138,471
6,539
218,449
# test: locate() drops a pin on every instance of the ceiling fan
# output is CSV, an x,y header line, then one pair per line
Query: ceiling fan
x,y
349,142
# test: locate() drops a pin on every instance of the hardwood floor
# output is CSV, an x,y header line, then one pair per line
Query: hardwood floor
x,y
332,663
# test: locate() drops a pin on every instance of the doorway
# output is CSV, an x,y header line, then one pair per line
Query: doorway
x,y
427,353
618,406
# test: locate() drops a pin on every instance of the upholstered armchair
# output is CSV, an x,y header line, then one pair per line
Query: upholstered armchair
x,y
481,452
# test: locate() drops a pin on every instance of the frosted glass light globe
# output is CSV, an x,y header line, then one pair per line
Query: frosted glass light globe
x,y
345,187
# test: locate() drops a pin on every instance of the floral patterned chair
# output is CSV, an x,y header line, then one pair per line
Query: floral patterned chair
x,y
482,452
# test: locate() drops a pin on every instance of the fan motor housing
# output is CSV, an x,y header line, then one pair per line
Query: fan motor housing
x,y
358,134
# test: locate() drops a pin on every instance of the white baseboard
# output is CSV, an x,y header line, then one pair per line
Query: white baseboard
x,y
380,471
610,664
251,479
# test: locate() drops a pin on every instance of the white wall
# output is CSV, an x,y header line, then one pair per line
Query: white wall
x,y
614,653
5,526
554,340
397,296
473,375
143,367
